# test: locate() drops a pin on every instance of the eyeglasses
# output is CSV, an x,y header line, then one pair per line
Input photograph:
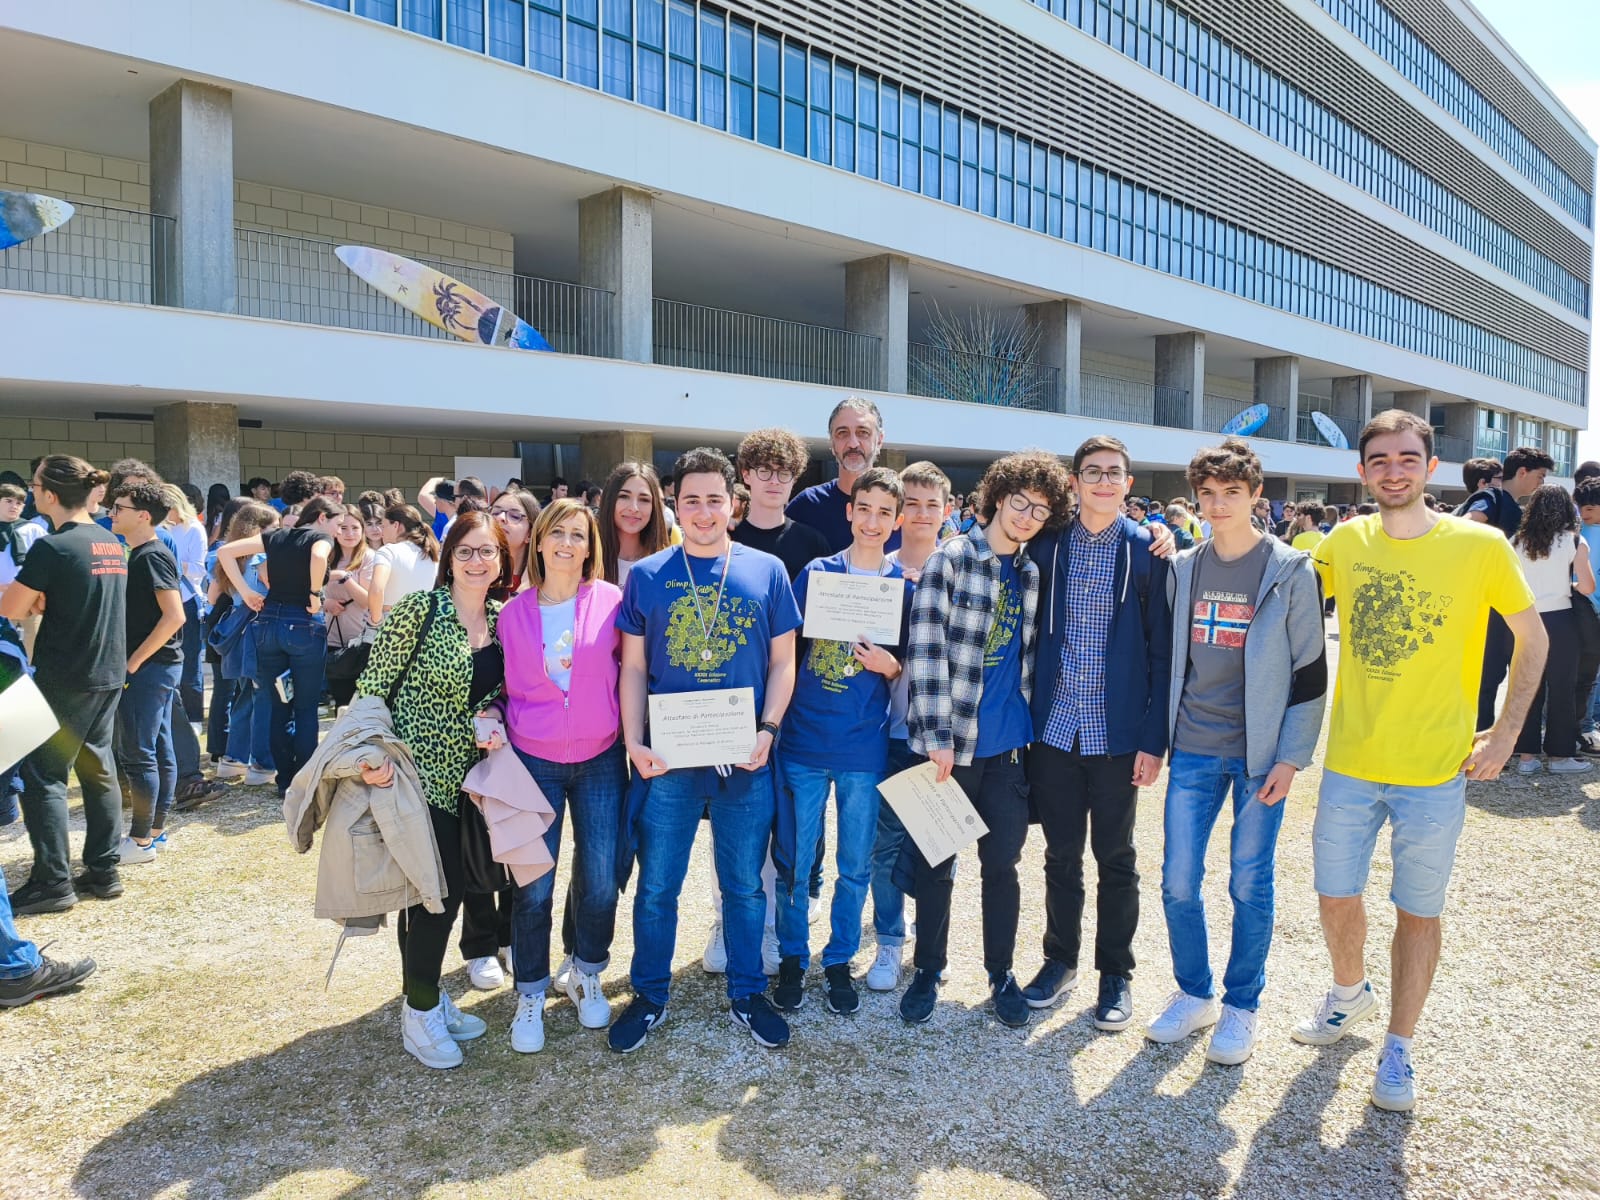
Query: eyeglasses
x,y
766,474
515,515
1017,502
119,506
1096,474
465,554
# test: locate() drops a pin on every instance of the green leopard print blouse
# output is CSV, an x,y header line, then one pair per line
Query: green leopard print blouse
x,y
431,714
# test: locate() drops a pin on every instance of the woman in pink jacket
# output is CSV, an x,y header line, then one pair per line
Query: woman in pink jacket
x,y
562,654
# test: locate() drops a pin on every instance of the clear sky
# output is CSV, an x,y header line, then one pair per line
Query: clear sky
x,y
1560,41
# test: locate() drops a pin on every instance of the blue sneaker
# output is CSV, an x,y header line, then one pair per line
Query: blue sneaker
x,y
756,1014
637,1020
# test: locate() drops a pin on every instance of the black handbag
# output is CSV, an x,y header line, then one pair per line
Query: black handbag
x,y
347,660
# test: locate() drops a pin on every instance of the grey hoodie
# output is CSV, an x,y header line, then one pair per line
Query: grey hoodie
x,y
1285,658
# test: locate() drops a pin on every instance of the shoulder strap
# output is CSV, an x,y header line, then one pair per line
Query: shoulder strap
x,y
416,648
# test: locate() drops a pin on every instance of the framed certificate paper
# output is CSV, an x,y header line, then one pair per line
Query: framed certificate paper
x,y
938,816
704,729
847,608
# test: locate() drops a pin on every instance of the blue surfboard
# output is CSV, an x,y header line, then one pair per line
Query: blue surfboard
x,y
1330,432
1245,423
24,215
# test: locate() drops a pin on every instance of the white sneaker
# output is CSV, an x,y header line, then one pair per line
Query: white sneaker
x,y
1234,1039
1184,1014
1333,1018
1570,766
527,1026
463,1027
884,973
486,974
563,974
1528,766
426,1039
770,955
259,775
232,768
813,910
130,852
1393,1085
583,989
715,960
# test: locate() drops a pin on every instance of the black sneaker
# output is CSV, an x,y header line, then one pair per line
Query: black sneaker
x,y
35,898
841,989
757,1015
1589,743
1009,1005
52,976
1114,1008
628,1031
1054,980
789,992
100,886
196,792
916,1006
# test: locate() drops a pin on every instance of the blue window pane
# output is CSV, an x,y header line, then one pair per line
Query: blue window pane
x,y
507,24
618,17
769,78
544,41
867,102
386,11
844,91
652,78
583,54
652,24
681,81
794,99
742,110
466,24
741,52
866,153
821,83
423,16
844,144
618,66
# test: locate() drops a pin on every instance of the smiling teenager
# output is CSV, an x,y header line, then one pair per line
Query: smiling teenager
x,y
633,522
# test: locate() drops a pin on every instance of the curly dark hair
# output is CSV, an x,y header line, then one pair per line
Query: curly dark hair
x,y
781,448
1231,462
1026,471
1549,513
297,487
703,460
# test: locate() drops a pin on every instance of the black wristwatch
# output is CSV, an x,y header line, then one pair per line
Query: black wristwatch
x,y
768,727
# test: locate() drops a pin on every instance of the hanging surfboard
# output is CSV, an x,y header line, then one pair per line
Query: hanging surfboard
x,y
24,215
1243,424
445,303
1331,433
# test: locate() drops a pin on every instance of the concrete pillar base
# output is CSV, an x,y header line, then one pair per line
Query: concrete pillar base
x,y
877,301
599,452
191,179
198,444
1059,324
1277,385
616,252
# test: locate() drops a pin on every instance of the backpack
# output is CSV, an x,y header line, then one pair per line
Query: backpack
x,y
1504,513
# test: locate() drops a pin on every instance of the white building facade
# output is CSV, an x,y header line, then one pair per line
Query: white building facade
x,y
730,215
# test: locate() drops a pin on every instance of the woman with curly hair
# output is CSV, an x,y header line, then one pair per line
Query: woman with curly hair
x,y
1552,554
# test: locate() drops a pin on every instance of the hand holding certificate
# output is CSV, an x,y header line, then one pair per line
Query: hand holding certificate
x,y
848,608
703,729
938,816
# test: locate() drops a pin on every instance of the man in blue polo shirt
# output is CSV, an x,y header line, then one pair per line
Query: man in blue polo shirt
x,y
855,431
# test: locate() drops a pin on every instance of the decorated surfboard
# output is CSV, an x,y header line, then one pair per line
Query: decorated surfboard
x,y
24,215
1245,423
1331,433
443,302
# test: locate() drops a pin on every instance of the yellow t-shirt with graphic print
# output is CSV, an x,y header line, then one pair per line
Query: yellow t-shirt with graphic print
x,y
1412,618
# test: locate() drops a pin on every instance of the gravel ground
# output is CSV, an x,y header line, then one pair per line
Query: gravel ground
x,y
204,1058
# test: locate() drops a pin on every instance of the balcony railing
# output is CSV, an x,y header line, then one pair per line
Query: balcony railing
x,y
99,254
299,279
1216,411
1450,448
1114,399
1306,431
982,379
736,343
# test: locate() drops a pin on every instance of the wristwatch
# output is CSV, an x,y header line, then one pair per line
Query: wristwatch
x,y
768,727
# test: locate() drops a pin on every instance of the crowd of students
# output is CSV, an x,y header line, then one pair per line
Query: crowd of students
x,y
1057,648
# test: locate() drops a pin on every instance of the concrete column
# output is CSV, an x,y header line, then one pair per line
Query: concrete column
x,y
198,444
598,452
1059,324
1181,363
191,180
615,252
1278,386
877,300
1414,402
895,460
1353,394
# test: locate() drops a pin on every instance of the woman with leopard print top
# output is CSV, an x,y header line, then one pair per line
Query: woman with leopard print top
x,y
455,671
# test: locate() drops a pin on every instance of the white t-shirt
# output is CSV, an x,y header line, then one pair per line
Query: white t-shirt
x,y
1550,577
556,622
624,565
410,570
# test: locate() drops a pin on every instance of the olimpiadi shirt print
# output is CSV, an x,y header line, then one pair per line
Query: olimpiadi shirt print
x,y
1412,617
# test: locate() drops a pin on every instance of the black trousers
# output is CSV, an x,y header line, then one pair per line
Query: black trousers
x,y
425,936
486,922
1497,647
1079,796
82,744
998,789
1555,706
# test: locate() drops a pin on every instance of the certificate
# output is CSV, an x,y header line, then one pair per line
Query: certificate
x,y
847,608
938,816
26,722
704,729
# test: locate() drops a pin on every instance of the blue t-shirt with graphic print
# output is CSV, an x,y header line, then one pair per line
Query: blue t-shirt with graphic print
x,y
1004,723
757,606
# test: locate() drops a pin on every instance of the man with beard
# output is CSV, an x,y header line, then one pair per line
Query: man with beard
x,y
855,430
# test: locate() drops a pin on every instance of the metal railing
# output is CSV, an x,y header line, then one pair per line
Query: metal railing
x,y
1449,448
981,379
1306,431
1114,399
99,254
299,279
736,343
1216,411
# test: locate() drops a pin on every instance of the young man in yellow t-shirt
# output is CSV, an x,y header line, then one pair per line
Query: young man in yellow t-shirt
x,y
1415,588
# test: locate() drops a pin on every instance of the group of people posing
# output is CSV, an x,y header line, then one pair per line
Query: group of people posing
x,y
1053,656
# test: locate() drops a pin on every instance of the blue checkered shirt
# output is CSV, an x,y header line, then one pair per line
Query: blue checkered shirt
x,y
1078,709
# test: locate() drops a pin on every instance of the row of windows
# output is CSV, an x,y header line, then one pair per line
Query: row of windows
x,y
698,63
1175,46
1407,53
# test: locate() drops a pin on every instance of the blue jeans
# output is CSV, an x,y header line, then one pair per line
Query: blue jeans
x,y
1424,823
1197,785
143,743
1591,712
741,828
856,796
593,790
18,956
289,639
192,687
243,743
888,901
